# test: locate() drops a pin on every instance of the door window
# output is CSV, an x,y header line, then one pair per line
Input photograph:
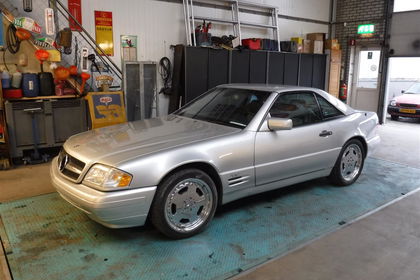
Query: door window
x,y
300,107
368,69
327,109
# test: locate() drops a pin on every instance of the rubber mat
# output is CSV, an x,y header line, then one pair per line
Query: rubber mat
x,y
49,239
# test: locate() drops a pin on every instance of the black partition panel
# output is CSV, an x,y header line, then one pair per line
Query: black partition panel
x,y
240,67
218,67
275,68
206,68
291,69
305,70
196,72
258,67
318,71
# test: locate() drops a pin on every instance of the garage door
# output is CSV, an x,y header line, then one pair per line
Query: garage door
x,y
405,34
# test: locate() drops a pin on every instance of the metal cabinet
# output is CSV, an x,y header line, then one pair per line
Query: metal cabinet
x,y
206,68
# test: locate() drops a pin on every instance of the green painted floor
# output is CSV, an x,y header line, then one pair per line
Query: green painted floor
x,y
46,238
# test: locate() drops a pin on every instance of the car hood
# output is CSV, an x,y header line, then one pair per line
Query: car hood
x,y
408,98
115,144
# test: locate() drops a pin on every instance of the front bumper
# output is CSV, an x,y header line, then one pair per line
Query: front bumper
x,y
395,111
117,209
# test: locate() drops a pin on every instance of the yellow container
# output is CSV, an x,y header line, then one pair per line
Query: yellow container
x,y
298,40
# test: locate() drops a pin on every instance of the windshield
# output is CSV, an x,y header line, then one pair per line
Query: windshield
x,y
226,106
414,89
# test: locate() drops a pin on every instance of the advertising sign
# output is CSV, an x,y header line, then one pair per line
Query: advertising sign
x,y
75,9
106,108
104,33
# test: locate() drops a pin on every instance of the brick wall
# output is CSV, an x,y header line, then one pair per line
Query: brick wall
x,y
350,14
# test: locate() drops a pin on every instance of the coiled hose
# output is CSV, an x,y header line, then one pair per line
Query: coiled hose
x,y
12,43
165,71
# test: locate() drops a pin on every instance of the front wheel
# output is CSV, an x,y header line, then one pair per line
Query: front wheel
x,y
394,117
349,164
184,204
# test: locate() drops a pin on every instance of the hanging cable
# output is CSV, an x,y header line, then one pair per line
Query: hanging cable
x,y
165,71
12,41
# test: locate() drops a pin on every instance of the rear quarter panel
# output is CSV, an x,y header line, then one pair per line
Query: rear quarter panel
x,y
359,124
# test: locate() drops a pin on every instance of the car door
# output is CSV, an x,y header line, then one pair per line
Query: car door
x,y
306,148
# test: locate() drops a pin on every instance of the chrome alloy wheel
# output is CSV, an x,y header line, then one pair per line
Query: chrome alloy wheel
x,y
188,205
351,161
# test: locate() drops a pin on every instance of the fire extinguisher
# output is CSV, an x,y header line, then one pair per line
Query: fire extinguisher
x,y
343,91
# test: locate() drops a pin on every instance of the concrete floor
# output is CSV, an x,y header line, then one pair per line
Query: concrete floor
x,y
384,245
25,181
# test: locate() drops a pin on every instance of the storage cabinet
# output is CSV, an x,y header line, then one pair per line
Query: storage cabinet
x,y
49,121
206,68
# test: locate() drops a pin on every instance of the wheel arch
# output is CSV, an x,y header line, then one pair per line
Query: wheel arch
x,y
362,140
205,167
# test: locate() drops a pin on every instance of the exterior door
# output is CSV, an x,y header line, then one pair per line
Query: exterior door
x,y
304,149
365,93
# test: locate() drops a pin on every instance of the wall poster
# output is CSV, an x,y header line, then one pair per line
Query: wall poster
x,y
104,33
129,47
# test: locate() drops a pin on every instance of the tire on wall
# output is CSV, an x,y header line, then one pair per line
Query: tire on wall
x,y
349,164
184,204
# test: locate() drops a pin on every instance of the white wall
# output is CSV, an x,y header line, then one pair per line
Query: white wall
x,y
159,24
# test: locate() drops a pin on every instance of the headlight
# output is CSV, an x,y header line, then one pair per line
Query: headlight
x,y
107,177
393,103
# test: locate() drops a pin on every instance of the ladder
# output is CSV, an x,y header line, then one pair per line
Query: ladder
x,y
235,7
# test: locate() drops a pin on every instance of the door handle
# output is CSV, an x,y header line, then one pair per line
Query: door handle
x,y
325,133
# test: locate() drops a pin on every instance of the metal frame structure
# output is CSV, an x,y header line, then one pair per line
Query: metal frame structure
x,y
141,90
236,23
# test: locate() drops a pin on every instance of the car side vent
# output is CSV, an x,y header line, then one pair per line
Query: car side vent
x,y
235,181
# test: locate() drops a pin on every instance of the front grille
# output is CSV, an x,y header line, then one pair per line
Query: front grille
x,y
407,105
70,166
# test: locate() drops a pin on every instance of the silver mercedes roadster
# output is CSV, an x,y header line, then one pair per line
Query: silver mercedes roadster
x,y
233,141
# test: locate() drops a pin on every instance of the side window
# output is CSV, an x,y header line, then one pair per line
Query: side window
x,y
301,107
328,110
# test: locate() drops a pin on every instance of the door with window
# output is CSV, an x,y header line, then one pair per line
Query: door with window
x,y
365,93
308,147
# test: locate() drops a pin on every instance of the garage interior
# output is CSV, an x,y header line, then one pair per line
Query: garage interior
x,y
152,56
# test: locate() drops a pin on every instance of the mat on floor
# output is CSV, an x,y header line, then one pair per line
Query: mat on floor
x,y
49,239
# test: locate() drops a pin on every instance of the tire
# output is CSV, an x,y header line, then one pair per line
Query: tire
x,y
394,117
184,204
349,164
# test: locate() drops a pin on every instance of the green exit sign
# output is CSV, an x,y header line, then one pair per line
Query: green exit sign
x,y
366,29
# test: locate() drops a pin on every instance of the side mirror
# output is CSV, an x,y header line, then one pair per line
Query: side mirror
x,y
279,124
402,91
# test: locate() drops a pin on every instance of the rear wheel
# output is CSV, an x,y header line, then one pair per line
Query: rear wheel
x,y
394,117
184,204
349,164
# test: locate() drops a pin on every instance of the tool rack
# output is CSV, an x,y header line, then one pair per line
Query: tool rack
x,y
235,7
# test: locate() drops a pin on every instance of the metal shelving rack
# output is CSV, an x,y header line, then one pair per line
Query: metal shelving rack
x,y
236,23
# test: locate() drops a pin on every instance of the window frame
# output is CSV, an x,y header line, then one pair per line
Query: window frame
x,y
316,96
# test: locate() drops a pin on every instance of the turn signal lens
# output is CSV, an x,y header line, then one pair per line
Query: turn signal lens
x,y
393,103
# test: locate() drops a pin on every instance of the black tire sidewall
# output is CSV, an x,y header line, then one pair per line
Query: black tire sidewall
x,y
157,213
336,176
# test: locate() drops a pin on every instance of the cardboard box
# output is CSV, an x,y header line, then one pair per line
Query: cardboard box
x,y
317,47
306,46
335,56
332,44
298,40
315,36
